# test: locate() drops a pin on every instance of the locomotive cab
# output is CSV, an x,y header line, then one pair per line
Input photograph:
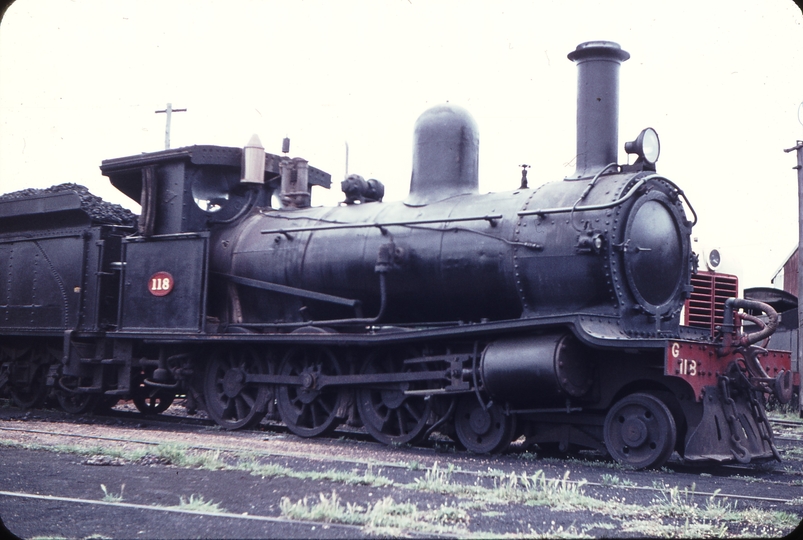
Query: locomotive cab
x,y
183,194
190,189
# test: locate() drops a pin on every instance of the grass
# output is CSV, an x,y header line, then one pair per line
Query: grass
x,y
588,462
111,497
794,451
558,493
271,470
786,411
613,480
198,504
717,513
659,529
673,512
181,456
552,531
385,517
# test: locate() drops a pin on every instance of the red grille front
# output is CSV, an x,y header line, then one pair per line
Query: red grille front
x,y
705,307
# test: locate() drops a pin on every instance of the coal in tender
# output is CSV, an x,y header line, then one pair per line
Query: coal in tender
x,y
97,209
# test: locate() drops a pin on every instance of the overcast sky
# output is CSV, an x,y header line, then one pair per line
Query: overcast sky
x,y
720,81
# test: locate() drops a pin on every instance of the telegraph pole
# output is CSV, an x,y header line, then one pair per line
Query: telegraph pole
x,y
799,149
169,110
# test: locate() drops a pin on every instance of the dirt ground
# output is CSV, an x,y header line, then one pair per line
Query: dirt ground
x,y
135,478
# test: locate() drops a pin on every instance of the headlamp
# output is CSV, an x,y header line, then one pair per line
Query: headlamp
x,y
646,146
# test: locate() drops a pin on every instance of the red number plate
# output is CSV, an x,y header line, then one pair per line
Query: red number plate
x,y
160,284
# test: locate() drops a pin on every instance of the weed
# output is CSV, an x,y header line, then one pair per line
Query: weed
x,y
111,497
750,479
495,473
558,492
326,509
385,517
613,480
569,532
769,518
198,504
472,505
449,515
438,480
181,456
345,477
676,503
783,411
793,451
493,513
657,528
588,463
269,470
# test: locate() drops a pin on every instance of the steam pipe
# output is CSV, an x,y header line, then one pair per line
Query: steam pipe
x,y
732,304
383,301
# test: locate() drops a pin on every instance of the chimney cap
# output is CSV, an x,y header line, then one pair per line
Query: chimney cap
x,y
598,49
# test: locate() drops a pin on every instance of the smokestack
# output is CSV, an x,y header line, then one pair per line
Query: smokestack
x,y
597,104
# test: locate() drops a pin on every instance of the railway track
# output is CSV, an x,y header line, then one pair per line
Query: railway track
x,y
787,423
252,436
176,416
401,465
156,509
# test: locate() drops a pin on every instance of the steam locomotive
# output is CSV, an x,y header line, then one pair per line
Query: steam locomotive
x,y
551,313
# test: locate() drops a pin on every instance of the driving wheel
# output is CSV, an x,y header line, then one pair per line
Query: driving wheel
x,y
307,409
640,431
230,400
481,430
389,414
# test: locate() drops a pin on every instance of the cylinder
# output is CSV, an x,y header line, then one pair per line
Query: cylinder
x,y
536,370
597,104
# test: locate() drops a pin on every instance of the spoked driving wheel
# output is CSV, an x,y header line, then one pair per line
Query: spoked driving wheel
x,y
640,431
389,414
72,401
481,430
231,401
307,409
150,399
